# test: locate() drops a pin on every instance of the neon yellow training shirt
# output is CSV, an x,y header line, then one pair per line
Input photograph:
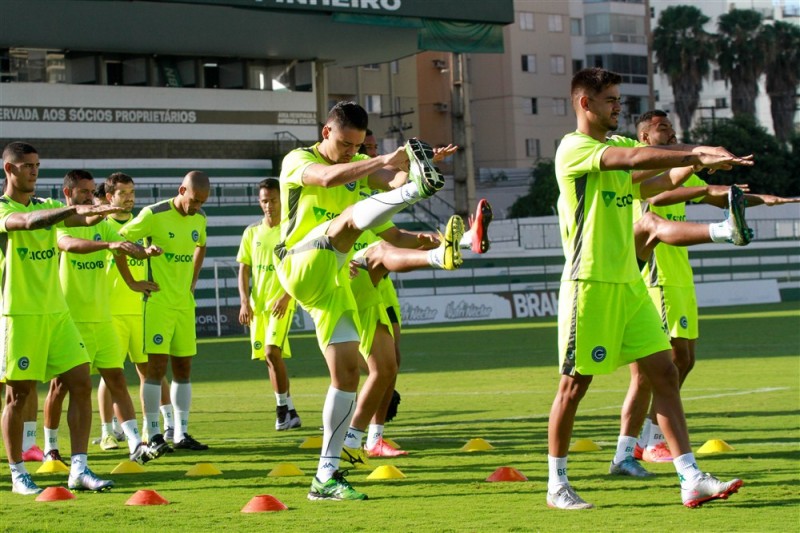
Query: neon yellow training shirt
x,y
304,207
124,301
83,276
595,211
161,224
29,263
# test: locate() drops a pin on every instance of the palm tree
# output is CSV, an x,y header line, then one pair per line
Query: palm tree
x,y
783,75
683,51
741,56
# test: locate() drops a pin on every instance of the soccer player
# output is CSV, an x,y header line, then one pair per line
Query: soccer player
x,y
178,227
606,318
85,285
41,340
668,275
267,308
321,219
127,317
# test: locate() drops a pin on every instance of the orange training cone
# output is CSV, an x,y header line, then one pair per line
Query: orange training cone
x,y
54,494
507,473
264,503
146,497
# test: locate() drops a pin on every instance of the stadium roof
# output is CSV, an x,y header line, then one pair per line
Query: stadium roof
x,y
344,32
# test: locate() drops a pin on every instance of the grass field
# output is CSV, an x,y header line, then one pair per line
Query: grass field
x,y
492,380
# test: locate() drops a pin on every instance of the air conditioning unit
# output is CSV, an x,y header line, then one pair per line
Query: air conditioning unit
x,y
442,107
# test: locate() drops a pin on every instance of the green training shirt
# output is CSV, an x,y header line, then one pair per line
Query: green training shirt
x,y
124,301
255,250
83,276
161,224
670,265
304,207
29,263
595,211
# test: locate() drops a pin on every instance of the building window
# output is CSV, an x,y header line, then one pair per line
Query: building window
x,y
372,103
633,69
577,65
532,148
525,21
372,66
721,103
534,106
575,27
717,75
558,65
559,106
529,63
555,23
394,67
614,28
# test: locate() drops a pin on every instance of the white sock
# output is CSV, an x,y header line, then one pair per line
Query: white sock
x,y
131,431
375,210
644,436
105,429
353,438
281,399
17,470
687,469
466,241
720,232
28,435
115,425
78,465
50,439
181,395
166,413
656,436
557,468
375,434
625,447
336,415
151,393
289,402
436,257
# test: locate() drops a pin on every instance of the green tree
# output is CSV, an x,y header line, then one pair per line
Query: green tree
x,y
683,51
742,52
783,75
774,171
542,195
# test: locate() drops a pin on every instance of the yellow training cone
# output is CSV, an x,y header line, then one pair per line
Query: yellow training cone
x,y
715,446
53,467
386,472
476,445
128,467
203,469
312,442
285,470
584,445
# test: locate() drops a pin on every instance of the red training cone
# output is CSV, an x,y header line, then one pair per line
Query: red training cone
x,y
264,503
506,473
146,497
54,494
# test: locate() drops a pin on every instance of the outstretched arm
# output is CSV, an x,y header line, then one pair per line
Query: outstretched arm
x,y
38,219
89,215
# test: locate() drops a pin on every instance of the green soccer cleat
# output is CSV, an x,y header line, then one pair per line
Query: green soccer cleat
x,y
421,169
741,234
451,242
336,488
628,467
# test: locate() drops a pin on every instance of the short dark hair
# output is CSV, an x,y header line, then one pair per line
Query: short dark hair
x,y
100,191
593,80
15,150
348,115
271,184
115,178
647,116
74,176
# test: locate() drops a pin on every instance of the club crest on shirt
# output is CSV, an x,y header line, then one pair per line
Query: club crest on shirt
x,y
195,235
350,186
